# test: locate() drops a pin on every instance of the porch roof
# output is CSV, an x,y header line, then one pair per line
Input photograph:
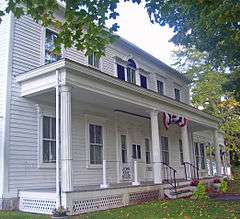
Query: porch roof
x,y
43,79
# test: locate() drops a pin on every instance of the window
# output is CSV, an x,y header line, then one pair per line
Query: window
x,y
165,151
202,153
160,87
131,71
136,151
143,81
49,140
197,157
93,60
96,144
124,148
181,151
177,94
147,150
121,72
50,55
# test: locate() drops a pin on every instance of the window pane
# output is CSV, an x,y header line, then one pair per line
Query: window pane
x,y
50,56
53,151
139,151
160,87
96,60
90,59
98,133
143,81
120,72
92,133
46,127
92,156
134,151
53,120
46,151
177,94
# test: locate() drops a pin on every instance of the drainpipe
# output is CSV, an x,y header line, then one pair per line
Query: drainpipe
x,y
58,185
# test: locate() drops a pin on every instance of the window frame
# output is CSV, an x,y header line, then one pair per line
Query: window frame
x,y
163,87
99,121
99,67
177,97
164,151
138,151
147,151
181,151
124,72
43,40
124,150
146,78
42,111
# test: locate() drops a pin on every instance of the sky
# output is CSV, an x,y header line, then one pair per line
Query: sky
x,y
136,27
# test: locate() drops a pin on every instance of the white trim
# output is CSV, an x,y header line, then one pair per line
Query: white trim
x,y
43,111
6,112
95,120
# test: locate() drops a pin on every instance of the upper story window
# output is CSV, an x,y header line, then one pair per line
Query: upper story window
x,y
50,55
131,71
143,81
121,72
160,87
177,94
93,60
49,140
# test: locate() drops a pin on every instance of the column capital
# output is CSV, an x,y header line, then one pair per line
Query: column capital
x,y
65,88
154,112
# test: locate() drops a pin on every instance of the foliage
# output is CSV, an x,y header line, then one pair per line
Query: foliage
x,y
210,26
223,186
208,93
200,192
59,212
194,182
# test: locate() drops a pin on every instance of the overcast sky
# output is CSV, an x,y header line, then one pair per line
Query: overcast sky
x,y
136,28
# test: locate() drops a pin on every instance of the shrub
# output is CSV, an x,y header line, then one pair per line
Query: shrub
x,y
216,180
223,186
194,182
59,212
200,192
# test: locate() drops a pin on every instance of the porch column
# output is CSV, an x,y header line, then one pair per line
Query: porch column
x,y
66,139
186,148
156,150
217,151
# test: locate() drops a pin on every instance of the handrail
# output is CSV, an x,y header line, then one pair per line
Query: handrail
x,y
193,169
170,177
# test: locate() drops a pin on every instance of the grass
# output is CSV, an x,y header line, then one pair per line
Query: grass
x,y
175,209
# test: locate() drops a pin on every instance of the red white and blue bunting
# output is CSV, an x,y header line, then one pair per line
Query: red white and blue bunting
x,y
169,119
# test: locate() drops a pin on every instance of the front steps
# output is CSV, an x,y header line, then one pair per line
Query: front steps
x,y
183,190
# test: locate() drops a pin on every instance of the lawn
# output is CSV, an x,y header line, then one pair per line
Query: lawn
x,y
181,208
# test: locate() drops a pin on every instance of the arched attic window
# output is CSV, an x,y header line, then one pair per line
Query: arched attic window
x,y
131,71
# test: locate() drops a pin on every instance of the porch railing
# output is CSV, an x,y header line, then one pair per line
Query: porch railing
x,y
170,176
191,171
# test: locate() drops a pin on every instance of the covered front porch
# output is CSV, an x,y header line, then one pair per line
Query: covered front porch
x,y
114,146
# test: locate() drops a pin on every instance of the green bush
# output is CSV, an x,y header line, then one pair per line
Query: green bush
x,y
200,192
223,186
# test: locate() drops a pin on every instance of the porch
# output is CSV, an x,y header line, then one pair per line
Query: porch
x,y
114,147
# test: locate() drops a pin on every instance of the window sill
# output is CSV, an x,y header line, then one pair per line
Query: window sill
x,y
42,165
94,166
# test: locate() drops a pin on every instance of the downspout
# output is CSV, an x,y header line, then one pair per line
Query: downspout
x,y
58,185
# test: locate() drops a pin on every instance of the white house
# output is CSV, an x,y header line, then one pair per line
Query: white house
x,y
91,134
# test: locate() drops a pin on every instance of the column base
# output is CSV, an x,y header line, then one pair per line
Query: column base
x,y
104,186
135,183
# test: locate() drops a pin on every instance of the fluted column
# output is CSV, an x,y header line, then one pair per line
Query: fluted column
x,y
66,139
156,148
217,151
186,148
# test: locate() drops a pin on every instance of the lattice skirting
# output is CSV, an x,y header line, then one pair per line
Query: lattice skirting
x,y
37,203
140,197
103,203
